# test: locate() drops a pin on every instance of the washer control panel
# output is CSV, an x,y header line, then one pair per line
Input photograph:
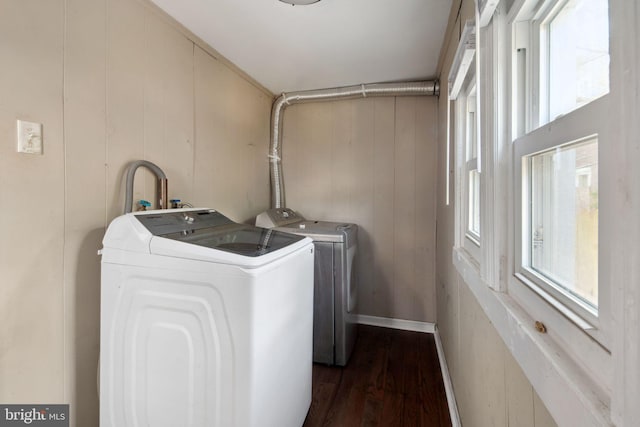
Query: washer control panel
x,y
172,221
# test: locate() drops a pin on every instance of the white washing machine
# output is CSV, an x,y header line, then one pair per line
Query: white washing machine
x,y
335,281
204,322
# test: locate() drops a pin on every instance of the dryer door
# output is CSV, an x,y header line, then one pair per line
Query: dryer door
x,y
323,306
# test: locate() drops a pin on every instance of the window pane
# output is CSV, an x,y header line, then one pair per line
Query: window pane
x,y
578,55
474,203
472,137
472,149
564,218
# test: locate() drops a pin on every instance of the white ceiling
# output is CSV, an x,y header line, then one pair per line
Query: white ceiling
x,y
323,45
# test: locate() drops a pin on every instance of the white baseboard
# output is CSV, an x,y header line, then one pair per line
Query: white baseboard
x,y
385,322
448,385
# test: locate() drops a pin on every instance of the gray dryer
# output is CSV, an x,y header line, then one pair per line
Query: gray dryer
x,y
335,281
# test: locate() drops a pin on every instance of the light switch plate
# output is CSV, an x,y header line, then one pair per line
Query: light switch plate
x,y
29,137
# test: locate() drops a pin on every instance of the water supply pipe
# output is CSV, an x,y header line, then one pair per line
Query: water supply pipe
x,y
161,187
349,92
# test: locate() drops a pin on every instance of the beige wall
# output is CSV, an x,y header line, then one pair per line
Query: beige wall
x,y
372,162
112,81
490,387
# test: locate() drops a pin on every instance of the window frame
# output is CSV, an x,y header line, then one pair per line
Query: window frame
x,y
466,104
471,164
585,336
534,18
462,84
560,132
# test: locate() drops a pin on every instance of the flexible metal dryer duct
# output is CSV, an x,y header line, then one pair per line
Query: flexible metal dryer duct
x,y
349,92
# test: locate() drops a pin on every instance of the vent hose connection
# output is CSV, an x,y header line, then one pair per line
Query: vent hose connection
x,y
431,88
161,186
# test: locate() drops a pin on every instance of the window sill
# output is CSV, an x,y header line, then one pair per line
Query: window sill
x,y
570,315
471,248
586,326
567,390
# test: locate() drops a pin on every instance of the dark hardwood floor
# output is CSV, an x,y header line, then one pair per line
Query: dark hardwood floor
x,y
392,379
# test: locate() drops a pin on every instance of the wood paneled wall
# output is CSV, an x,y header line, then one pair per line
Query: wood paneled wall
x,y
112,81
372,162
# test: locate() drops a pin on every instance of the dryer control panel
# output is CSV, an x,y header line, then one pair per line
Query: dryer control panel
x,y
278,217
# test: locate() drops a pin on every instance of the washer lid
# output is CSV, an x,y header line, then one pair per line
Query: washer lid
x,y
213,230
197,234
238,239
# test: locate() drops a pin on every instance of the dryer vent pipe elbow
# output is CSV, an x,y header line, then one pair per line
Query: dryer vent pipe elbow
x,y
431,88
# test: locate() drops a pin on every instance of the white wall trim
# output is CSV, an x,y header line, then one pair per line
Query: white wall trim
x,y
448,385
386,322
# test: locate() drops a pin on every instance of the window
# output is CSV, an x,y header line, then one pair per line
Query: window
x,y
472,185
462,89
560,57
468,176
542,84
561,227
577,48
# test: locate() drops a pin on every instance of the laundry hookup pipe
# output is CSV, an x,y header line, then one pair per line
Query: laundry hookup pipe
x,y
350,92
162,184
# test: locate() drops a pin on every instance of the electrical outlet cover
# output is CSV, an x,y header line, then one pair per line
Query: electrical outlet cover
x,y
29,137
